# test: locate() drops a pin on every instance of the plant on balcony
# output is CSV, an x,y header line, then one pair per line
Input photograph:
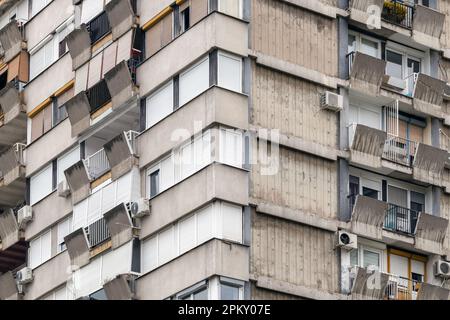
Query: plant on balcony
x,y
394,11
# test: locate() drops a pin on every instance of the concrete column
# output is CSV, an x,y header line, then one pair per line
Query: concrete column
x,y
343,48
436,194
434,63
436,125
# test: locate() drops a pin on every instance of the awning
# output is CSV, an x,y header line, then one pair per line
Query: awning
x,y
429,163
369,284
119,224
78,247
120,156
120,84
8,286
367,145
120,288
121,17
9,229
79,182
431,292
367,73
79,44
79,112
11,40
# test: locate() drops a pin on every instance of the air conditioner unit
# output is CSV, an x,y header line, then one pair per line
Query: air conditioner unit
x,y
347,240
139,208
332,101
442,269
24,215
24,276
63,189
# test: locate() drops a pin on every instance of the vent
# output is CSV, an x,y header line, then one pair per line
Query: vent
x,y
332,101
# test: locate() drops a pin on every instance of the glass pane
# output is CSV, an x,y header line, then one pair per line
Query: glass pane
x,y
201,295
354,257
370,193
394,64
154,183
228,292
371,259
351,43
369,47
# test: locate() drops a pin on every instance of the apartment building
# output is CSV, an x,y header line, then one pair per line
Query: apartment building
x,y
224,149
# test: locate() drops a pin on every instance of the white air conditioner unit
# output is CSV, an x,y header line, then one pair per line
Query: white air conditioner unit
x,y
24,215
332,101
347,240
139,208
24,276
442,269
63,189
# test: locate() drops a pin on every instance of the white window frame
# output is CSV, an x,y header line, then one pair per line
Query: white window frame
x,y
359,37
42,260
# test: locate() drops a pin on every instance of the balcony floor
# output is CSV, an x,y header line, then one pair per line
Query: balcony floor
x,y
13,257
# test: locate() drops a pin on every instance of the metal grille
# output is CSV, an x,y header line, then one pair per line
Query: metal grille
x,y
98,27
399,219
98,95
98,232
400,150
97,164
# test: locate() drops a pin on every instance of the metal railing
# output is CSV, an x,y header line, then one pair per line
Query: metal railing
x,y
98,27
400,150
97,164
12,158
400,288
98,95
398,12
98,232
401,220
133,63
132,141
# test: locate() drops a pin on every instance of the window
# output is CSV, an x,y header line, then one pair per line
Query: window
x,y
231,147
194,81
154,183
62,32
394,64
41,58
233,8
367,257
64,228
184,20
218,220
410,270
66,161
230,72
38,5
230,292
41,184
90,9
160,104
40,250
196,292
364,44
59,106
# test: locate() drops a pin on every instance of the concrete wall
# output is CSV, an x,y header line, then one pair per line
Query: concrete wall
x,y
292,105
294,253
215,105
212,182
296,35
148,9
48,82
56,141
212,258
265,294
56,13
215,31
47,212
303,182
48,276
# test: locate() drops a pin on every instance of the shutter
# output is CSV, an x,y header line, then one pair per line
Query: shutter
x,y
153,38
231,147
231,222
160,104
194,81
124,46
66,161
149,254
187,231
187,160
167,30
230,72
199,10
116,262
34,253
123,189
108,197
205,224
46,246
94,207
90,9
13,68
371,259
63,230
230,7
37,126
109,58
41,184
167,173
166,245
48,110
95,68
79,219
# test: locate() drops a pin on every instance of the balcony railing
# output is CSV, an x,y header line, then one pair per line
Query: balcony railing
x,y
98,27
400,288
98,95
400,150
97,164
399,13
401,220
132,141
12,158
98,232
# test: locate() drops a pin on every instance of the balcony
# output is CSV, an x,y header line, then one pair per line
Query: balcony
x,y
390,223
366,73
401,220
400,150
98,27
13,119
13,248
398,13
97,164
12,39
12,175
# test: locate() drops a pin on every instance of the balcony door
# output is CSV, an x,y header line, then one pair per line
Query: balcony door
x,y
398,217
